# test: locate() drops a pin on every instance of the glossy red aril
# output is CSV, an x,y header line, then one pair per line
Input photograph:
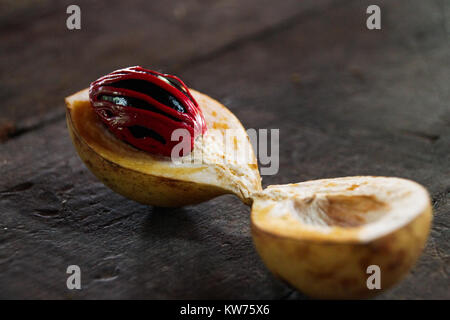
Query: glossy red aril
x,y
143,107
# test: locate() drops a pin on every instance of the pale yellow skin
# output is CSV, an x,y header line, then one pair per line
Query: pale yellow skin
x,y
330,267
330,270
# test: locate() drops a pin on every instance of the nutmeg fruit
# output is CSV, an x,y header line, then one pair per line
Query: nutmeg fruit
x,y
321,236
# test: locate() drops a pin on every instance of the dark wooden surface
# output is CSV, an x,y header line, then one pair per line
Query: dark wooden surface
x,y
348,101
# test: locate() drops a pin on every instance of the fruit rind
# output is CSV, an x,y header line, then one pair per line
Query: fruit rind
x,y
339,270
143,188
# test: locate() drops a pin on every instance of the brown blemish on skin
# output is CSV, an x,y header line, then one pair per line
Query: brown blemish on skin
x,y
214,114
399,259
322,275
353,187
364,262
382,246
235,142
302,251
348,282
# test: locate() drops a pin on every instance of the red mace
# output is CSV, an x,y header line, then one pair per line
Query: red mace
x,y
144,107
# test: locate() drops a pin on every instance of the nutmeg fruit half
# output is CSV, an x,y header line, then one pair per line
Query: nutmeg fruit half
x,y
321,236
209,171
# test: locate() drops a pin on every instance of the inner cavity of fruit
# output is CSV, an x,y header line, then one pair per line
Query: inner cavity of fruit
x,y
339,210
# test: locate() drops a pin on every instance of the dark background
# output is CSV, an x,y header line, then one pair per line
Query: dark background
x,y
347,100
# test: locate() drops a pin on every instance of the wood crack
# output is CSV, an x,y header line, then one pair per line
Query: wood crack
x,y
430,137
14,131
18,188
